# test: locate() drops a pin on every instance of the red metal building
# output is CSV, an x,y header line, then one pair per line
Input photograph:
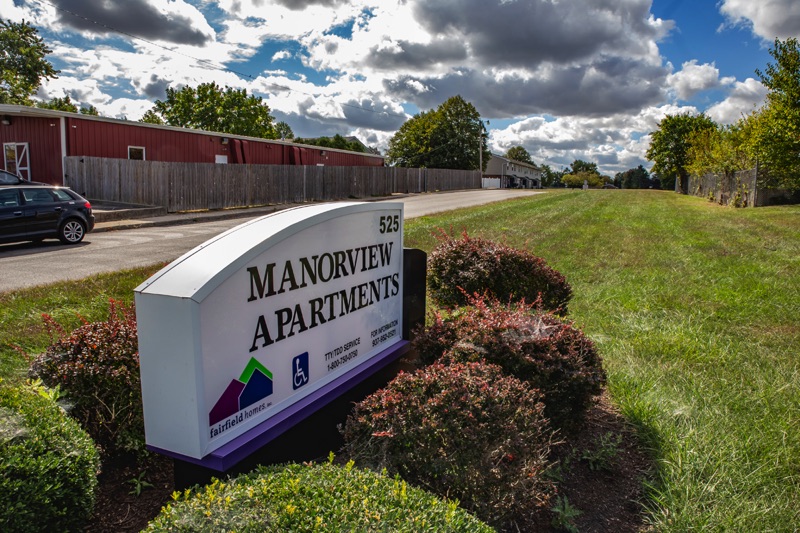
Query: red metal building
x,y
35,141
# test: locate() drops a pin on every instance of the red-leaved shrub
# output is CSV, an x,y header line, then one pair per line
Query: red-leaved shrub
x,y
538,348
461,267
97,369
464,431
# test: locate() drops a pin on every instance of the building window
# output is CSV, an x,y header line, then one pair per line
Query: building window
x,y
136,153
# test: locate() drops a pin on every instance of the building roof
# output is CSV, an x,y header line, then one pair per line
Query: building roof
x,y
26,111
520,163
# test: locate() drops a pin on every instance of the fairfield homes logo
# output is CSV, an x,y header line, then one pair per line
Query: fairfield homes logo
x,y
242,399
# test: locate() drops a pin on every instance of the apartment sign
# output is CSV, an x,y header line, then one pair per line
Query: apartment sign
x,y
257,320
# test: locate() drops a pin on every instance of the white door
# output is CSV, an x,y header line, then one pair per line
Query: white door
x,y
16,160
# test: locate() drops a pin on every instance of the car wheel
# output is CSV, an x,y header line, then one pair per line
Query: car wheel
x,y
72,231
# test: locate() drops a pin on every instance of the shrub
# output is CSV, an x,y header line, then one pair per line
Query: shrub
x,y
49,465
539,348
463,431
313,498
461,267
97,368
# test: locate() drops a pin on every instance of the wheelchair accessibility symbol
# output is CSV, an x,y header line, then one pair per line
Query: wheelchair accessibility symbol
x,y
300,370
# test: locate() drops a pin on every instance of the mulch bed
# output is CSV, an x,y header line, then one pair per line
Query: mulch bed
x,y
609,500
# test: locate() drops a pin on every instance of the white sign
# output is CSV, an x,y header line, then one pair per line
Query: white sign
x,y
258,318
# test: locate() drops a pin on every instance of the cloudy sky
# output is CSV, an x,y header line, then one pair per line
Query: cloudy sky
x,y
566,79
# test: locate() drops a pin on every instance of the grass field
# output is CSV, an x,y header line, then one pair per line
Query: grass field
x,y
695,308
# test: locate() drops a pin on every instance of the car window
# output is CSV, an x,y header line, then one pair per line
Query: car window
x,y
62,195
37,196
9,198
7,178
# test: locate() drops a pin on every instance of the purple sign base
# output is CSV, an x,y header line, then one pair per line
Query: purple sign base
x,y
227,456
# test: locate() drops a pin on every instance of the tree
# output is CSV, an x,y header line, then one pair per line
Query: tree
x,y
284,131
550,177
451,136
584,166
776,131
576,179
722,150
337,141
151,117
518,153
634,178
669,147
22,62
89,110
212,108
59,104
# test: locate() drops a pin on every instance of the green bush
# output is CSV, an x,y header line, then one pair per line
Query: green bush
x,y
48,465
97,369
463,431
539,348
458,268
321,498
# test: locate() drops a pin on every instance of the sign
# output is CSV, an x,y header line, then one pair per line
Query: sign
x,y
256,320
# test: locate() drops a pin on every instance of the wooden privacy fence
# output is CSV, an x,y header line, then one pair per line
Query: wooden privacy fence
x,y
192,186
740,189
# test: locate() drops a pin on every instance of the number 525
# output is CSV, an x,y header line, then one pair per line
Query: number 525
x,y
389,223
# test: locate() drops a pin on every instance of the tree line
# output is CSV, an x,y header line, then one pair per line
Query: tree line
x,y
767,138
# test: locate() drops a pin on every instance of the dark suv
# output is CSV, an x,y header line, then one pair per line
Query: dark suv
x,y
34,211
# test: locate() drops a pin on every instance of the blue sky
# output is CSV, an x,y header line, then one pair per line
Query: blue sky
x,y
573,79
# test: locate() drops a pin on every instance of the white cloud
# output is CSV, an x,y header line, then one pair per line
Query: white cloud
x,y
694,78
616,143
745,97
10,11
769,19
283,54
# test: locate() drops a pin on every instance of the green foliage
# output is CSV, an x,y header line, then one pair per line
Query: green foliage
x,y
579,166
283,130
564,515
337,141
313,498
777,132
723,149
139,484
22,62
212,108
670,143
59,104
89,110
463,431
635,178
550,177
48,465
97,368
540,349
576,180
452,136
459,268
151,117
603,455
518,153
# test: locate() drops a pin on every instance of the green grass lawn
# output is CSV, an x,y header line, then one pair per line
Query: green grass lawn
x,y
695,308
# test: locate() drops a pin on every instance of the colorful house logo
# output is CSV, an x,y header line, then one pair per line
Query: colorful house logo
x,y
253,385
